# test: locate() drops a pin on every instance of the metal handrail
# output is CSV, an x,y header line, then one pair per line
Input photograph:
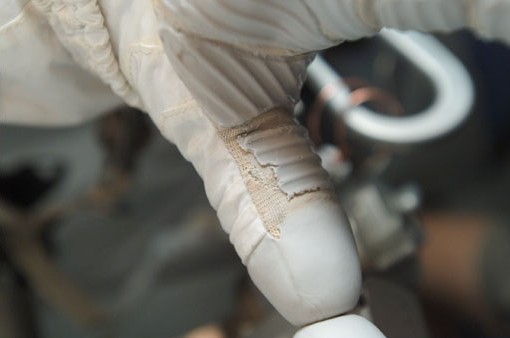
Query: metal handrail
x,y
454,93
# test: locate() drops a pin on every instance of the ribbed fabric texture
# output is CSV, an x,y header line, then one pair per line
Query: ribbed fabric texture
x,y
270,27
233,85
286,150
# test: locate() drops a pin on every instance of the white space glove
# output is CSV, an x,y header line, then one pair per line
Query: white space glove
x,y
244,62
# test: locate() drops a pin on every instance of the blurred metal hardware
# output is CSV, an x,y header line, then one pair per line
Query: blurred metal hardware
x,y
453,93
383,222
382,218
366,137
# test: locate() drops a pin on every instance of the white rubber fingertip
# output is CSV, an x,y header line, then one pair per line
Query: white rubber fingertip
x,y
350,326
312,272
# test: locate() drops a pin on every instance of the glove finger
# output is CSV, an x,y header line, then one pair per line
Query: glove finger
x,y
261,175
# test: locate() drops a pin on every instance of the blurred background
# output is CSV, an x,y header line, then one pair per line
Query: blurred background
x,y
106,232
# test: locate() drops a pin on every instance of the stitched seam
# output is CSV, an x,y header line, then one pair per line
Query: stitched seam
x,y
255,246
139,49
225,192
169,114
